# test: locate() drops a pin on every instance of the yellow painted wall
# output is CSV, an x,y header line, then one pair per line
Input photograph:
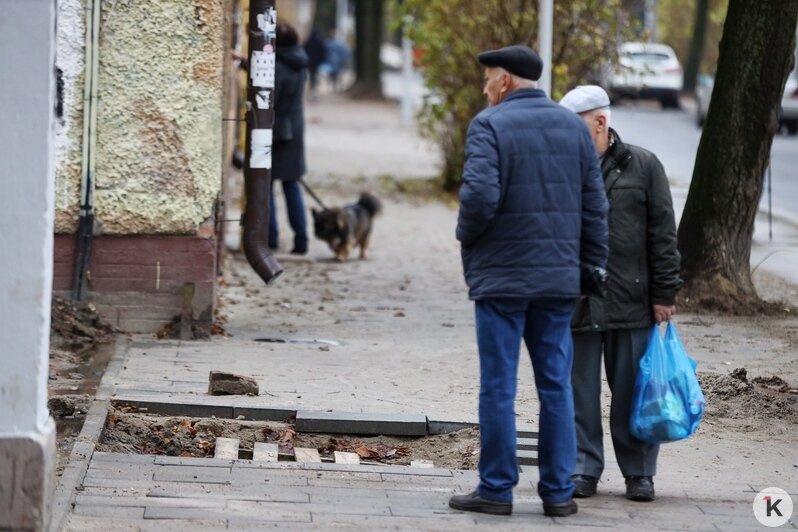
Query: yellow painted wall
x,y
159,121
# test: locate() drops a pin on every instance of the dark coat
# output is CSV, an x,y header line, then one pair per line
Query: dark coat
x,y
288,152
532,204
644,262
316,50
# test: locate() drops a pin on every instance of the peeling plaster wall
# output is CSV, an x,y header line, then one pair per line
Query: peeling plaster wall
x,y
159,121
70,56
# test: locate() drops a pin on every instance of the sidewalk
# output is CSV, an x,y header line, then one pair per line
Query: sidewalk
x,y
404,330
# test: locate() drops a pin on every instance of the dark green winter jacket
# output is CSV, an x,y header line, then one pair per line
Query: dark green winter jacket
x,y
643,265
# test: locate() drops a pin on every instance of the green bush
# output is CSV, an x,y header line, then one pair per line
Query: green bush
x,y
450,33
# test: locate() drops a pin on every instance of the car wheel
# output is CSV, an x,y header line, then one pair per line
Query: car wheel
x,y
670,101
699,120
792,127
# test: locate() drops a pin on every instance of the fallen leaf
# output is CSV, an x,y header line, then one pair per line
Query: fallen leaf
x,y
365,452
286,435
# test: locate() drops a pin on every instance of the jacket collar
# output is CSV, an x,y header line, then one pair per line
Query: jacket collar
x,y
617,154
525,93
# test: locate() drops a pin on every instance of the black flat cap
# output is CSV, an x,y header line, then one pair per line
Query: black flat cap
x,y
520,60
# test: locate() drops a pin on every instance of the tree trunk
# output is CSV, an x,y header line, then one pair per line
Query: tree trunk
x,y
756,54
368,39
696,52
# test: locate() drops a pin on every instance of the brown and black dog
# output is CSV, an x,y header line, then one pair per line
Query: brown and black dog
x,y
343,228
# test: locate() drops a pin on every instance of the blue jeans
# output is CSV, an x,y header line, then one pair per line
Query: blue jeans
x,y
545,326
296,215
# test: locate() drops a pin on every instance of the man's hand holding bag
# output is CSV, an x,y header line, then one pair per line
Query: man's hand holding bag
x,y
667,404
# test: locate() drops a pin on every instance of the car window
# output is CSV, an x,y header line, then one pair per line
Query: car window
x,y
647,56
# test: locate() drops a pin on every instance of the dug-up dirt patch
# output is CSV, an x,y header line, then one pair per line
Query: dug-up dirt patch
x,y
767,405
141,433
81,344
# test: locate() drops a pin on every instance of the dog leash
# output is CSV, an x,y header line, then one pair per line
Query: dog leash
x,y
305,186
312,194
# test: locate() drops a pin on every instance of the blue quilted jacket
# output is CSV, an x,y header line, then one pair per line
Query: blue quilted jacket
x,y
532,202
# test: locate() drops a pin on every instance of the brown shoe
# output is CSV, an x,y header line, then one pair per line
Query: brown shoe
x,y
560,509
472,502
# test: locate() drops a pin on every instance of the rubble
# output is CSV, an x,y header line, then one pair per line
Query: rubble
x,y
222,383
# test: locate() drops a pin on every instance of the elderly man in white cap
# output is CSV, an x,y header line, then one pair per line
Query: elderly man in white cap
x,y
643,269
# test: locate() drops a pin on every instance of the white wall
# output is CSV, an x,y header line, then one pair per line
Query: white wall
x,y
27,94
70,58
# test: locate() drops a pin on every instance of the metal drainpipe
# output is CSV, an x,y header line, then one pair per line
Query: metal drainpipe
x,y
85,230
260,118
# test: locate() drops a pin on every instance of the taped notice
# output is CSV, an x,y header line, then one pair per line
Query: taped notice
x,y
262,69
267,22
261,149
262,99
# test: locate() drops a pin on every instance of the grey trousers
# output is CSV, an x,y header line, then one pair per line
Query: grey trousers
x,y
622,349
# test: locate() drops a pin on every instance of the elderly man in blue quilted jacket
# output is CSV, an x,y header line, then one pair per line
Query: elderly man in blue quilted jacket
x,y
533,214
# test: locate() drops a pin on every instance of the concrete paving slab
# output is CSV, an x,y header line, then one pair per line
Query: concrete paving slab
x,y
186,461
247,492
361,423
265,452
254,475
305,455
233,515
101,459
278,466
80,523
338,495
447,523
121,512
144,501
361,468
262,414
128,474
175,406
226,449
193,474
346,458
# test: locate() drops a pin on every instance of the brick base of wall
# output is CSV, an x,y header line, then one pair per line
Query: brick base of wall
x,y
136,282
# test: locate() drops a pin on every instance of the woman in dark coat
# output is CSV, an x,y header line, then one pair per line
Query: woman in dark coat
x,y
288,151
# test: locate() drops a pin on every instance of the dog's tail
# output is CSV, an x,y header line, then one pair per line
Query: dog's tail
x,y
370,203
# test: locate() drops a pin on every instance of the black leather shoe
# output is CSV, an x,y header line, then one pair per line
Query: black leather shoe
x,y
584,486
640,489
560,509
474,503
300,250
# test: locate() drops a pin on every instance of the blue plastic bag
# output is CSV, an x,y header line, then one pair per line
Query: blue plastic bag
x,y
667,402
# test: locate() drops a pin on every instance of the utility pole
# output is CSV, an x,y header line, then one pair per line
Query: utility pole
x,y
341,14
261,60
650,20
407,73
545,37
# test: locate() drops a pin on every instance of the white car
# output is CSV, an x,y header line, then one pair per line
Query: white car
x,y
648,71
788,116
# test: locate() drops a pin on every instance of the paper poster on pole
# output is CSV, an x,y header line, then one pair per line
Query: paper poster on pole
x,y
261,149
262,69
